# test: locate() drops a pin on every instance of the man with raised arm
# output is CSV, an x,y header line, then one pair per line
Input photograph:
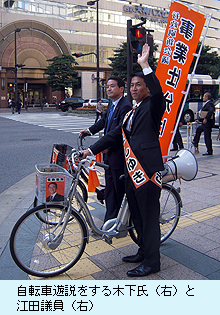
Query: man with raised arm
x,y
139,134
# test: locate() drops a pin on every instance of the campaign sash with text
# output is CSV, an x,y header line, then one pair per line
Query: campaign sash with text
x,y
135,170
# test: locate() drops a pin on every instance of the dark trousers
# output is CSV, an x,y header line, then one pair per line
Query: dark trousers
x,y
177,140
207,136
144,206
97,116
114,192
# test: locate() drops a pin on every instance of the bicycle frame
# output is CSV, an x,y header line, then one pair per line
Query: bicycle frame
x,y
116,227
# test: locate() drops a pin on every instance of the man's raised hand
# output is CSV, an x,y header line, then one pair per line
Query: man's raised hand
x,y
143,58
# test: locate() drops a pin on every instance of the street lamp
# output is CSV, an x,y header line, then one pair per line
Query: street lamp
x,y
16,67
97,45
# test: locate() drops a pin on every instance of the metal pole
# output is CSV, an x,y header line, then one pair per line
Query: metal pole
x,y
98,94
129,61
16,68
16,88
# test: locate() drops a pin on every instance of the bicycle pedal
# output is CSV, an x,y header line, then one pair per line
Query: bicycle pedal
x,y
107,239
122,234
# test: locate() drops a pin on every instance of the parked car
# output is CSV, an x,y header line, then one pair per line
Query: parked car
x,y
71,103
93,102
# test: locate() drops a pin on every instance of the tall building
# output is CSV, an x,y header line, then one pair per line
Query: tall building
x,y
31,32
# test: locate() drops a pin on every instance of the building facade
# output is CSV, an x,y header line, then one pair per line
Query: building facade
x,y
44,29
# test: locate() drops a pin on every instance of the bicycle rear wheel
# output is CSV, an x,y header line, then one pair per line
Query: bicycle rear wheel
x,y
32,246
170,208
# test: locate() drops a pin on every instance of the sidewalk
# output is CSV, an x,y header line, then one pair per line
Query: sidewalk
x,y
191,253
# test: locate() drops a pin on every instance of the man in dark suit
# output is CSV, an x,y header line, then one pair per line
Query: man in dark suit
x,y
207,124
143,180
113,155
54,196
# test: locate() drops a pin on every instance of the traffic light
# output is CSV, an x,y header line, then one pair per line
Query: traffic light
x,y
10,86
137,38
150,41
77,55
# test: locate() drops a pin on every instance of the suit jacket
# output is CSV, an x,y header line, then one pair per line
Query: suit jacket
x,y
144,135
115,156
57,197
210,109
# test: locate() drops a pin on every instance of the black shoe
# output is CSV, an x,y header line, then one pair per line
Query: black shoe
x,y
207,153
142,271
173,149
195,144
133,258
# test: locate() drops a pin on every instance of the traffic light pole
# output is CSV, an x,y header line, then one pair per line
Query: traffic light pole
x,y
97,45
16,69
129,61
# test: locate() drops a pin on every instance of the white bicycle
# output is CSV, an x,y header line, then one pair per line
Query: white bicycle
x,y
50,238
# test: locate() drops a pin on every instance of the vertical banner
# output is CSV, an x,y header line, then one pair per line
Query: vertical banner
x,y
181,38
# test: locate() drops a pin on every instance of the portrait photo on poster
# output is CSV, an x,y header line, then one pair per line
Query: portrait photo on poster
x,y
55,188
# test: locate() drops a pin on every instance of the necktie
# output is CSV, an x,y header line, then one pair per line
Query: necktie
x,y
131,118
51,198
110,115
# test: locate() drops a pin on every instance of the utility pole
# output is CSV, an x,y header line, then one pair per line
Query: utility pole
x,y
16,68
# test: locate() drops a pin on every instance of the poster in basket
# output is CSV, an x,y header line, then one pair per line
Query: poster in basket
x,y
55,188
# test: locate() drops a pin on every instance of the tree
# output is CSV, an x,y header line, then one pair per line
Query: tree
x,y
61,73
209,62
119,61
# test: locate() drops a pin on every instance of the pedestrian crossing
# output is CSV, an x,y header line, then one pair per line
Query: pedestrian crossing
x,y
57,121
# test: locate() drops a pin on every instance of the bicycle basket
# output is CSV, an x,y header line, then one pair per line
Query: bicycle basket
x,y
52,180
59,154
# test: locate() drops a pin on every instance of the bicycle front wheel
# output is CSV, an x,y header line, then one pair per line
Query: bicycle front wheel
x,y
34,247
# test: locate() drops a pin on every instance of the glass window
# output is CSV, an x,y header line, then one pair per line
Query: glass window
x,y
48,9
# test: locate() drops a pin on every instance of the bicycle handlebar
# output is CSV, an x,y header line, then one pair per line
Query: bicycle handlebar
x,y
105,166
79,154
81,137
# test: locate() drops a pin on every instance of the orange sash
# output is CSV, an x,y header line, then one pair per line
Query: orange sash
x,y
135,170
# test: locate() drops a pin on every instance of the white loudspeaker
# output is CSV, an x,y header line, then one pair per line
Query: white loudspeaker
x,y
184,163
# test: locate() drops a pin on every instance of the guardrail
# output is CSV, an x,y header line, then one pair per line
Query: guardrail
x,y
39,105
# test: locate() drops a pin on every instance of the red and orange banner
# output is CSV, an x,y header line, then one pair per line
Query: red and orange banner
x,y
181,38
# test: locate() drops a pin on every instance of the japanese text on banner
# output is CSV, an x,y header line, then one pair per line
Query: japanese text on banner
x,y
181,38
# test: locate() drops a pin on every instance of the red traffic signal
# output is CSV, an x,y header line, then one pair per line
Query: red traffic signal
x,y
138,33
137,38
